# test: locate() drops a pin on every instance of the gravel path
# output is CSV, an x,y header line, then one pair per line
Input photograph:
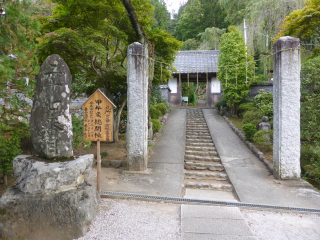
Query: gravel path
x,y
283,226
132,219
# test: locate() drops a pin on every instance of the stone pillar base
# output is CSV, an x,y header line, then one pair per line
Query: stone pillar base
x,y
51,200
63,215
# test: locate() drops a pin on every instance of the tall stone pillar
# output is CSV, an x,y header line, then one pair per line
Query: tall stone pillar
x,y
286,108
137,119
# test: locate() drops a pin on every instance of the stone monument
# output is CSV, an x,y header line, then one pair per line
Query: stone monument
x,y
51,199
265,124
50,123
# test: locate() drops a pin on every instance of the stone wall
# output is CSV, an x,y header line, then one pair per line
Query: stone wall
x,y
254,89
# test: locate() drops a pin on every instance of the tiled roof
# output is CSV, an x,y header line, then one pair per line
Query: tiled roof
x,y
191,61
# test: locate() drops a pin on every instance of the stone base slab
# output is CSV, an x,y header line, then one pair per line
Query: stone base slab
x,y
34,175
148,171
63,215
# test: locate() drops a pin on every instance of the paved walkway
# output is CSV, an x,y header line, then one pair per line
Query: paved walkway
x,y
252,181
250,178
211,222
166,162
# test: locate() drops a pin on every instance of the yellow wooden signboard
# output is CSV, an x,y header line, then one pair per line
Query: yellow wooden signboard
x,y
98,118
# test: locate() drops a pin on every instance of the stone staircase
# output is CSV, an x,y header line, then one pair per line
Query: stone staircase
x,y
202,164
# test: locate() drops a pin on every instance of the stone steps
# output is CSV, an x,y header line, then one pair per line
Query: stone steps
x,y
195,140
203,167
197,144
209,185
200,148
196,133
205,175
199,137
193,154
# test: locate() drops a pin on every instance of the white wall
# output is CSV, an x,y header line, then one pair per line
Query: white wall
x,y
173,85
215,85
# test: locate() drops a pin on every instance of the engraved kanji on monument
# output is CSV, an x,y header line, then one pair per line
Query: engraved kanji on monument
x,y
50,123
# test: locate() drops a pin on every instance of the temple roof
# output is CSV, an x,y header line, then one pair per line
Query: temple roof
x,y
201,61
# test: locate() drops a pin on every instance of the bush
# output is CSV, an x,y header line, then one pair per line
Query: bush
x,y
156,125
162,107
243,107
156,96
187,91
310,98
310,162
193,99
249,130
310,117
264,138
253,117
264,102
77,126
190,104
154,112
221,103
9,147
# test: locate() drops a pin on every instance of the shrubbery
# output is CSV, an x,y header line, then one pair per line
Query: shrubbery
x,y
249,130
264,138
162,107
10,142
243,107
154,112
221,103
264,102
310,99
193,99
252,117
77,126
155,95
189,91
156,125
310,161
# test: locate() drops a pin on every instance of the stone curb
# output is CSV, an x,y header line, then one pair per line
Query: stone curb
x,y
253,149
158,134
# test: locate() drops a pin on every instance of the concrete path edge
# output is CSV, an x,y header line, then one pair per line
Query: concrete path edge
x,y
252,148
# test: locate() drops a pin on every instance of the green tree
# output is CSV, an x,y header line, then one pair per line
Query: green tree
x,y
161,14
303,22
190,44
18,66
92,37
310,98
210,38
236,68
198,15
263,18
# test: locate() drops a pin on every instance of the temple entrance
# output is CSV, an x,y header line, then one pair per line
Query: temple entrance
x,y
199,68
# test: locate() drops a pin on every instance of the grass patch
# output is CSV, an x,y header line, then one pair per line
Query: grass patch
x,y
237,122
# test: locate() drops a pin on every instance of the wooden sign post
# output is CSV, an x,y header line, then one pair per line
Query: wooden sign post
x,y
98,124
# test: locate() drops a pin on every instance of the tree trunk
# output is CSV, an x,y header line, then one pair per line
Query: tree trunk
x,y
135,22
141,35
117,121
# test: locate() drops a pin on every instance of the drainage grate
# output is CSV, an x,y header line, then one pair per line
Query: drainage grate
x,y
208,202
